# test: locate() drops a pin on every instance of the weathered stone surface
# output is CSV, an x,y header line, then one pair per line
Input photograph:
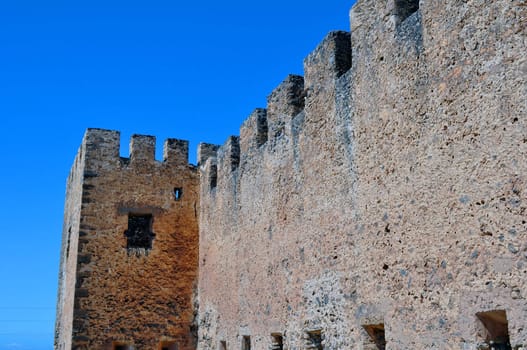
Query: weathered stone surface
x,y
396,196
378,202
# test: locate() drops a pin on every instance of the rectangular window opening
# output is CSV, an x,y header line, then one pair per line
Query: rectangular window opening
x,y
122,346
246,342
405,8
314,339
139,233
376,340
495,329
277,341
222,345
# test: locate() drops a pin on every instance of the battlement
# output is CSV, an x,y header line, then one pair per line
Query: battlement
x,y
205,151
330,60
264,127
253,132
101,149
229,155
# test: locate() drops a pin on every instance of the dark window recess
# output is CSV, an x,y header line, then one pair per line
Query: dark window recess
x,y
178,193
314,339
376,333
223,345
139,233
405,8
496,329
277,341
121,347
246,342
168,345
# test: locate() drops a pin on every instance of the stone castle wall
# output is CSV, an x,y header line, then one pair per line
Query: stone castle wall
x,y
377,202
383,195
115,290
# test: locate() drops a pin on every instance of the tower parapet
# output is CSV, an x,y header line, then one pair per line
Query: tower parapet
x,y
102,150
175,152
142,149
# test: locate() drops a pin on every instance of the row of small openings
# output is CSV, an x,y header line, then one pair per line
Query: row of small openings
x,y
495,324
495,332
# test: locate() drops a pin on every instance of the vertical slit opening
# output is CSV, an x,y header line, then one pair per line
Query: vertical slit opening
x,y
178,193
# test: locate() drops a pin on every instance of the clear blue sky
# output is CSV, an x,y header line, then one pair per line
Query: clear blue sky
x,y
190,70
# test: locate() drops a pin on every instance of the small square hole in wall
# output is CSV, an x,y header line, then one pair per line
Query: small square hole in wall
x,y
178,193
314,339
277,341
495,329
246,342
222,345
376,338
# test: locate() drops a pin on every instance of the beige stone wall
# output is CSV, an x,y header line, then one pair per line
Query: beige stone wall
x,y
115,295
390,193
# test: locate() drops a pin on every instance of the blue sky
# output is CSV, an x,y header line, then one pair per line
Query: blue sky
x,y
189,70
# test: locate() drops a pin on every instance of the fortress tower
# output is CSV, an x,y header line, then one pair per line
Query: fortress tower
x,y
130,245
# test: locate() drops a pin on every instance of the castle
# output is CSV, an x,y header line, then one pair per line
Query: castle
x,y
378,202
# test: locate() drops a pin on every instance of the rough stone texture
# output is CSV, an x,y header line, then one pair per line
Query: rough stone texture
x,y
394,194
108,294
382,196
